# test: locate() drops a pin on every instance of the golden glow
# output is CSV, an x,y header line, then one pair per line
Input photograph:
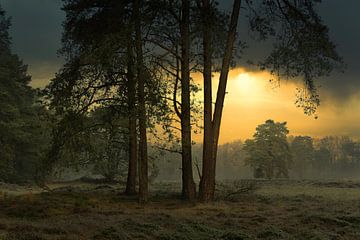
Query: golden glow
x,y
251,99
245,83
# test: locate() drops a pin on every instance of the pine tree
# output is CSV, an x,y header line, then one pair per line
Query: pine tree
x,y
20,128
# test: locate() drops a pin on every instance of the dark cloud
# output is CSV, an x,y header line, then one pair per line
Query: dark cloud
x,y
36,34
343,20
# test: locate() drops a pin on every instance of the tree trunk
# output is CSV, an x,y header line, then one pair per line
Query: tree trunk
x,y
188,185
132,168
143,163
207,184
219,104
206,181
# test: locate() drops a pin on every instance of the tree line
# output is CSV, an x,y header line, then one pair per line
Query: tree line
x,y
127,80
273,154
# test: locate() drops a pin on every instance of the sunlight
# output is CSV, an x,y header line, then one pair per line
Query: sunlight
x,y
247,88
245,82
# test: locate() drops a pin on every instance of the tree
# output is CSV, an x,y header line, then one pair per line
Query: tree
x,y
174,36
322,160
189,189
99,68
172,17
303,153
143,169
23,134
108,143
110,67
97,142
212,122
269,151
133,146
300,40
231,161
351,151
334,145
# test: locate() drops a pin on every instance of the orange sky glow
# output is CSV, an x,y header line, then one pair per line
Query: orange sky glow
x,y
252,99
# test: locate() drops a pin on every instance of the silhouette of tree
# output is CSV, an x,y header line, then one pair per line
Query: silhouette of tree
x,y
302,49
269,151
23,136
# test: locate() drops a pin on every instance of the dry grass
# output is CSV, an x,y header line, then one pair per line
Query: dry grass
x,y
277,210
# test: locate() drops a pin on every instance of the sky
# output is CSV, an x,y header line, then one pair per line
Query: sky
x,y
36,36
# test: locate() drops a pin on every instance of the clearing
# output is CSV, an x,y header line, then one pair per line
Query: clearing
x,y
274,210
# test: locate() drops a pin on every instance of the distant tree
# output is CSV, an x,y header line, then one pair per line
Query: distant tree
x,y
338,146
269,152
231,161
322,160
339,155
303,153
350,151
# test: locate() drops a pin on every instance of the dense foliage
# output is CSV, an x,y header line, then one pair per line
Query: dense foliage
x,y
274,154
23,122
269,153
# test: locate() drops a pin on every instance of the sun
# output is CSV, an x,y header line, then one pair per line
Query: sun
x,y
248,86
245,82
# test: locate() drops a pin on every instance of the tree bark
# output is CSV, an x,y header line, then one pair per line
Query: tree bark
x,y
188,185
143,163
219,104
207,184
132,168
206,179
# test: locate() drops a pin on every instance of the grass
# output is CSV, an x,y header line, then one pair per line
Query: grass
x,y
277,210
331,193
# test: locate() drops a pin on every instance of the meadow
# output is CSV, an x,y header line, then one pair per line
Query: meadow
x,y
280,209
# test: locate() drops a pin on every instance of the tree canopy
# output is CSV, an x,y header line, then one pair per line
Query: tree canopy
x,y
269,152
22,127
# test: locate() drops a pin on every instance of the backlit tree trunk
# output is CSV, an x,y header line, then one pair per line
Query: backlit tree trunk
x,y
212,129
143,162
205,188
132,168
188,185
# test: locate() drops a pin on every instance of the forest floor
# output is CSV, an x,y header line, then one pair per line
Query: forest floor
x,y
298,210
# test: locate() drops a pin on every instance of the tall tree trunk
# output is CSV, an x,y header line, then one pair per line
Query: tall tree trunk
x,y
132,168
188,185
206,177
219,104
143,163
209,158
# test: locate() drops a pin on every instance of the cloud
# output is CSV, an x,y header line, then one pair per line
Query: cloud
x,y
36,35
344,33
